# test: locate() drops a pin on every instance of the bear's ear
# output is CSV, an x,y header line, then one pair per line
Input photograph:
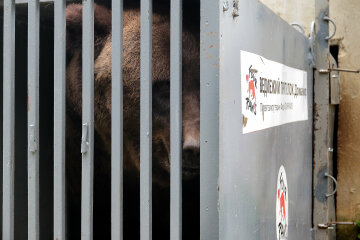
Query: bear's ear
x,y
102,25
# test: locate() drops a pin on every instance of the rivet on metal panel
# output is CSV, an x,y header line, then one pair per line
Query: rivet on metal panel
x,y
236,8
33,146
225,5
333,193
326,18
84,138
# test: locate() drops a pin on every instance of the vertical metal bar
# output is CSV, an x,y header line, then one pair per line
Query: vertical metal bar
x,y
176,120
323,207
117,122
87,147
59,118
8,119
146,121
33,118
209,119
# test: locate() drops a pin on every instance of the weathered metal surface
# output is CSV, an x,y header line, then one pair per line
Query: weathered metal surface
x,y
209,119
323,207
249,163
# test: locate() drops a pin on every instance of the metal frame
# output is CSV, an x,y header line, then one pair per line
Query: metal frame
x,y
209,119
324,112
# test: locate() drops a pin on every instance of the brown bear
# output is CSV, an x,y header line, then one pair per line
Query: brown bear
x,y
131,103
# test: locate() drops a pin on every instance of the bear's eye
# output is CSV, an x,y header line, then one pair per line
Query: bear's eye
x,y
161,97
161,89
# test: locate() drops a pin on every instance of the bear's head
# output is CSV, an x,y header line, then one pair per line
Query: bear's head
x,y
131,87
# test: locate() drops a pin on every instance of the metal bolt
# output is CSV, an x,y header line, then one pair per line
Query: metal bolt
x,y
324,70
339,70
236,8
225,5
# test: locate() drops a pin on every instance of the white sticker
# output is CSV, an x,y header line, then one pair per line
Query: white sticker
x,y
272,94
282,199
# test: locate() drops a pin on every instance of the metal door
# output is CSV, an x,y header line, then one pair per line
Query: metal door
x,y
266,62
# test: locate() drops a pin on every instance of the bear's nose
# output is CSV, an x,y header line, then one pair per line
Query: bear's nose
x,y
191,153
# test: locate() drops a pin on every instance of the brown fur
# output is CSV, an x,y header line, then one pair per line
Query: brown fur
x,y
131,101
131,81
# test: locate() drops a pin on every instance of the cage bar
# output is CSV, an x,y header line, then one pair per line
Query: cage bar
x,y
33,119
176,120
117,122
146,121
8,120
59,117
87,145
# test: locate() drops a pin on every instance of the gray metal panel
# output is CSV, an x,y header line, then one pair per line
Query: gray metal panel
x,y
117,122
209,119
324,208
8,120
146,121
33,119
87,146
249,163
176,120
59,117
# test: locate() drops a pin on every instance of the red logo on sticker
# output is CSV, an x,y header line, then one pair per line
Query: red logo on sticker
x,y
252,86
282,206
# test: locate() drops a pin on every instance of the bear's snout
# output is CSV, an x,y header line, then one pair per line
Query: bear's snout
x,y
191,150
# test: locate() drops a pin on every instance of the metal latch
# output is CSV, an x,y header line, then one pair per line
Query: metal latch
x,y
335,79
339,70
331,225
335,182
84,138
33,146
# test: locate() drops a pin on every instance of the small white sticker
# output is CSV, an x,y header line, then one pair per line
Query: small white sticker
x,y
282,199
272,94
